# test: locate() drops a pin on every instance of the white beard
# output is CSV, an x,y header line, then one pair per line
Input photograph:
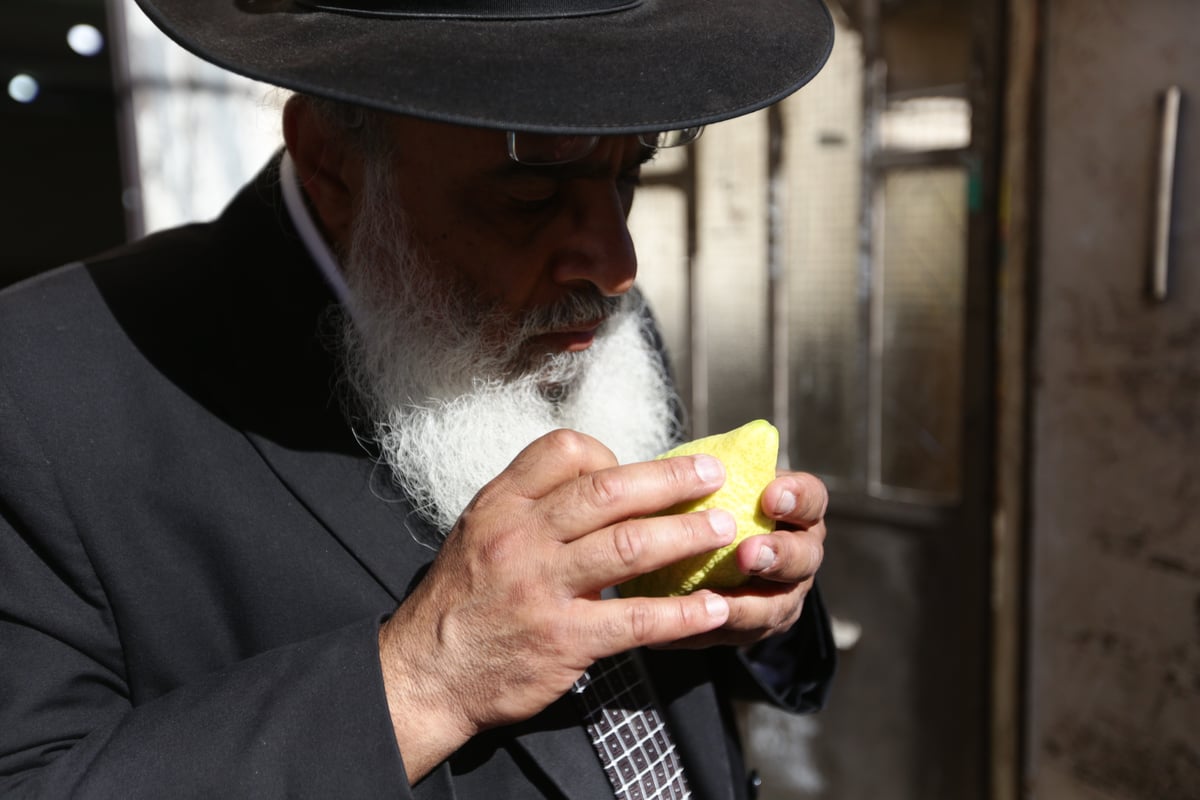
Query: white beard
x,y
451,393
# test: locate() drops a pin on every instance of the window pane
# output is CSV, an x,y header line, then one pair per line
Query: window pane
x,y
925,123
827,378
732,281
658,225
923,260
188,112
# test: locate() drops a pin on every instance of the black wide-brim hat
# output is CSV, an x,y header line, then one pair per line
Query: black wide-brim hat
x,y
556,66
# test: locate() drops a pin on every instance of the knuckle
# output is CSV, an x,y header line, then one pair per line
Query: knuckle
x,y
641,622
628,542
794,617
499,548
571,444
681,471
815,493
694,617
607,487
695,526
778,618
737,617
786,614
816,556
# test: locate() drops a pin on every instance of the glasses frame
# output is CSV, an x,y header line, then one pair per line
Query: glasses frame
x,y
658,140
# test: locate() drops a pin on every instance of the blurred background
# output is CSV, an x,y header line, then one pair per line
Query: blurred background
x,y
960,273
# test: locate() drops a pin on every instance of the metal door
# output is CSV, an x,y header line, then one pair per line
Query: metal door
x,y
1114,642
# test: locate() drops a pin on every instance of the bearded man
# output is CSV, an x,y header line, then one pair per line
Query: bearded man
x,y
327,498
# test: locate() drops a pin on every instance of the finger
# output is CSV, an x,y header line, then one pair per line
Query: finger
x,y
622,624
796,498
756,612
787,556
608,496
637,546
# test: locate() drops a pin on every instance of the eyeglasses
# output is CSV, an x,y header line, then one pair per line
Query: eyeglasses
x,y
548,149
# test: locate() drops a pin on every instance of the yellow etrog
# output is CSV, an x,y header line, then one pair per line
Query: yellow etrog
x,y
749,454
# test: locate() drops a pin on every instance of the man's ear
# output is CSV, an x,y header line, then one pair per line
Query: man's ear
x,y
330,171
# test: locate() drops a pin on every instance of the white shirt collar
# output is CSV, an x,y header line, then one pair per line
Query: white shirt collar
x,y
310,235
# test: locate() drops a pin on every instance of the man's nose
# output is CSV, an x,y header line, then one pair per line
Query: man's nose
x,y
598,248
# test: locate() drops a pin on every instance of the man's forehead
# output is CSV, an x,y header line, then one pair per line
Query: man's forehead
x,y
435,137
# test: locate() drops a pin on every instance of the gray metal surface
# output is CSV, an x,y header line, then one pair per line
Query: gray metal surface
x,y
1114,692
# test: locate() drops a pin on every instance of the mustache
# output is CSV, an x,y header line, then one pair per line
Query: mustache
x,y
583,306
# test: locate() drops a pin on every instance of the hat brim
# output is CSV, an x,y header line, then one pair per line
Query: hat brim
x,y
663,64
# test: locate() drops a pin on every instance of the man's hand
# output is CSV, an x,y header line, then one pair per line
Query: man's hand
x,y
510,614
781,564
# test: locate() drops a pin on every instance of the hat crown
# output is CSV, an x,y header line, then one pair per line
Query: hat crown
x,y
586,67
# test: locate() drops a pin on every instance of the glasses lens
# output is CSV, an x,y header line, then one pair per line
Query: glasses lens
x,y
545,149
676,138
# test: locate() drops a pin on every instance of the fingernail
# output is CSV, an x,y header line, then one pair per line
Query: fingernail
x,y
715,605
708,468
786,503
764,559
723,524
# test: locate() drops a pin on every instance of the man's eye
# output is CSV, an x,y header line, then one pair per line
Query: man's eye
x,y
532,191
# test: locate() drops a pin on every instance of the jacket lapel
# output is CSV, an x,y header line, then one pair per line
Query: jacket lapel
x,y
349,495
557,741
694,716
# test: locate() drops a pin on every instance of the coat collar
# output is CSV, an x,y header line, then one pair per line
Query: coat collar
x,y
279,323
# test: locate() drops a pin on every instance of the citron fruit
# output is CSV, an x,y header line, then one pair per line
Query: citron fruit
x,y
749,454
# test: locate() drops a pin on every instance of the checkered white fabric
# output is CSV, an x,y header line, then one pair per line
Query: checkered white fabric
x,y
629,733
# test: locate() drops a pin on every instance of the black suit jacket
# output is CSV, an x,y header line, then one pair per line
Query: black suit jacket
x,y
196,551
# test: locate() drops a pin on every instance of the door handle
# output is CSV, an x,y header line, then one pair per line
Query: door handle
x,y
1168,144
